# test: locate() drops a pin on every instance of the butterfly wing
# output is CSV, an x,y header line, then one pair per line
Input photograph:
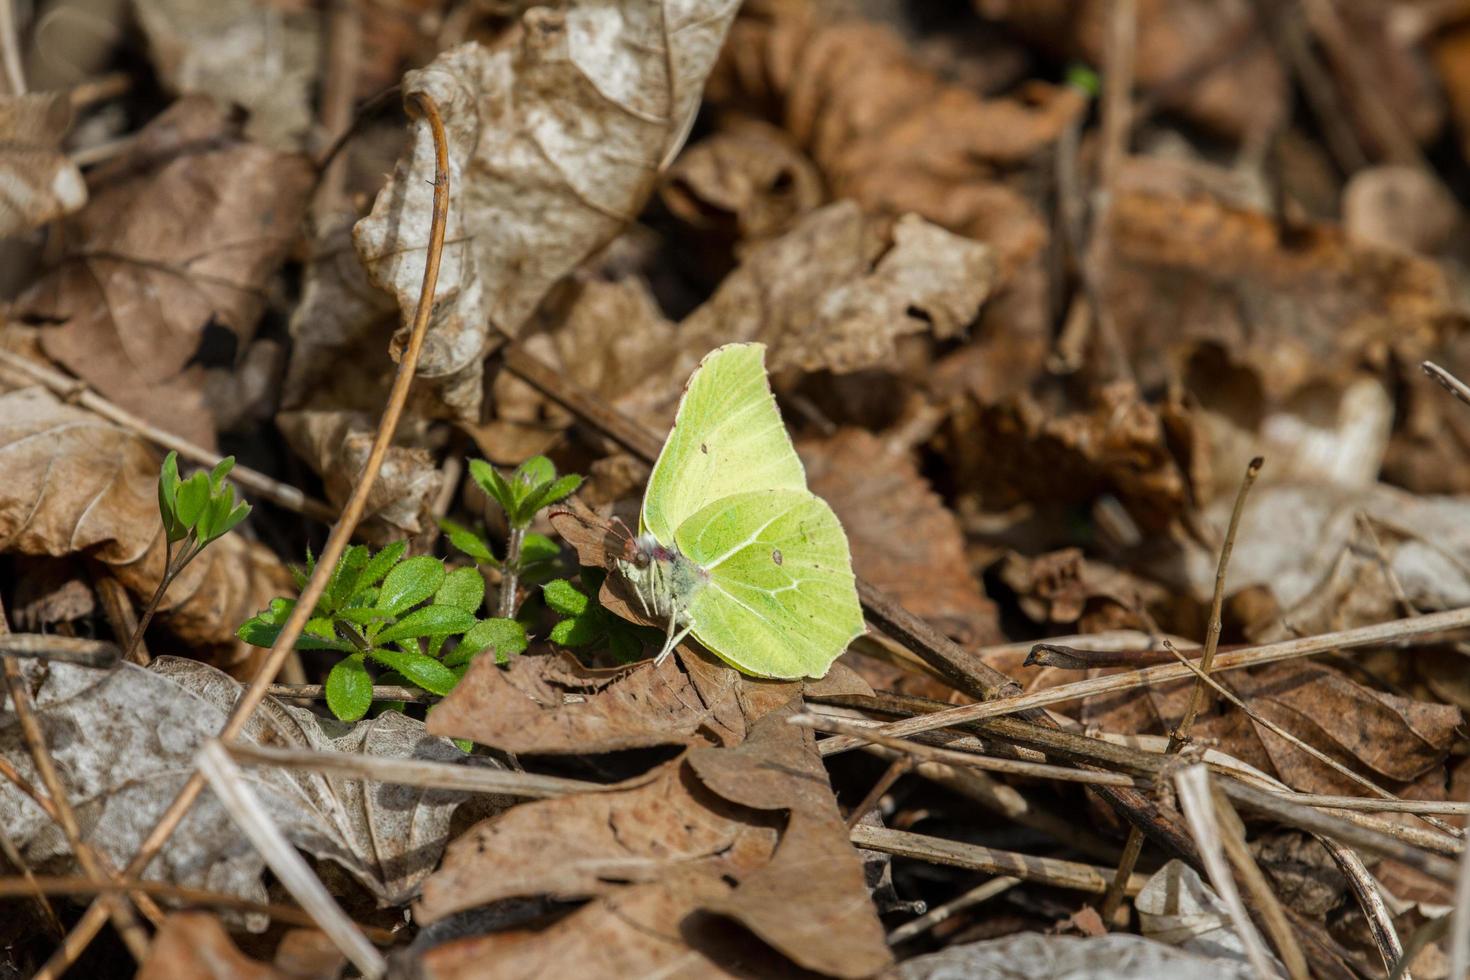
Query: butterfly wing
x,y
780,600
727,438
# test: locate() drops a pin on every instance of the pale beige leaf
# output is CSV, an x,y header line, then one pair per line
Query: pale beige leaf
x,y
555,140
40,182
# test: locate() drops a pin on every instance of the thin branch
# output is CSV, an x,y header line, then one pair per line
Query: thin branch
x,y
1460,921
10,49
88,926
381,692
256,482
1046,871
1370,900
980,893
1451,383
417,772
896,770
295,875
117,605
1263,899
98,654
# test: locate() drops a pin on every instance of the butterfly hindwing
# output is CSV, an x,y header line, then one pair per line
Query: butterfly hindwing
x,y
780,600
727,438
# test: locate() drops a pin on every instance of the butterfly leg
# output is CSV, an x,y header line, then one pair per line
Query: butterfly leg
x,y
671,641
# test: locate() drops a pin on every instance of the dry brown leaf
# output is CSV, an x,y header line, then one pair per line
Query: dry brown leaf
x,y
1187,269
195,945
41,182
555,138
814,869
183,230
904,540
1394,740
264,57
1243,93
1399,207
837,290
76,483
592,844
554,705
143,728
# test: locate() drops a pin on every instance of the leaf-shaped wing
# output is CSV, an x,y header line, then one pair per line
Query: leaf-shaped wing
x,y
727,438
780,600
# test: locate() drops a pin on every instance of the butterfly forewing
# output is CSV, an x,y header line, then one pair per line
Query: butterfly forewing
x,y
727,438
780,599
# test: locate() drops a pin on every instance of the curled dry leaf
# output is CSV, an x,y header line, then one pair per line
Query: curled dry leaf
x,y
183,230
1176,906
194,944
1244,91
76,483
41,182
815,867
262,57
836,291
1062,588
555,140
743,184
904,540
142,730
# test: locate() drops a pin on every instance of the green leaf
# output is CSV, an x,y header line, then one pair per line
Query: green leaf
x,y
262,629
343,582
578,631
220,471
350,688
504,636
564,597
428,621
426,672
411,582
362,615
533,474
168,488
553,493
468,542
381,563
1085,78
536,548
233,519
190,501
463,588
216,513
493,484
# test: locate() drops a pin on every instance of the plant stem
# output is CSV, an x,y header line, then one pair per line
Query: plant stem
x,y
147,617
511,573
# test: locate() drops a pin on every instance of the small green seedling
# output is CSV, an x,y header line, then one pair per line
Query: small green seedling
x,y
195,512
533,486
588,624
396,614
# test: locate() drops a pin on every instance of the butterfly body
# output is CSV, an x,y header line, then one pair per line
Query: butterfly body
x,y
733,546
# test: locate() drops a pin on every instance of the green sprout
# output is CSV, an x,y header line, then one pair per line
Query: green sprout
x,y
587,623
195,512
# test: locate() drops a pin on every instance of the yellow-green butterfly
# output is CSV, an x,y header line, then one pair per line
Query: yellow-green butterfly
x,y
733,547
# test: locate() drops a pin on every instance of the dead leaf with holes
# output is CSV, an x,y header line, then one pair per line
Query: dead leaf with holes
x,y
144,727
555,139
183,230
41,182
77,484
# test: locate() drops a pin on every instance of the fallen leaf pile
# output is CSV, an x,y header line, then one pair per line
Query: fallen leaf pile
x,y
1036,282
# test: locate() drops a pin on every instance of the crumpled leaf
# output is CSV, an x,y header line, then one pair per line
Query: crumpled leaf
x,y
555,138
194,944
183,230
261,56
1032,954
837,290
815,867
76,483
1176,906
1399,207
41,182
1062,588
143,728
554,705
1245,92
904,540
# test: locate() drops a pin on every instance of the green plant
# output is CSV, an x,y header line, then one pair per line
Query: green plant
x,y
532,486
397,614
587,623
195,512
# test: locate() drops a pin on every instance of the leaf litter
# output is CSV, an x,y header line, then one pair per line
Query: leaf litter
x,y
1035,282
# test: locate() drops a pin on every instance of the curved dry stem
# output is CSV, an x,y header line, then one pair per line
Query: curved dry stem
x,y
336,544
